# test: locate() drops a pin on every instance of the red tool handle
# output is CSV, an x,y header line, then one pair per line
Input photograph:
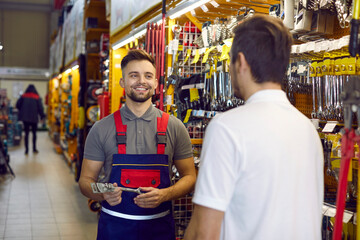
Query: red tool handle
x,y
162,62
147,40
347,150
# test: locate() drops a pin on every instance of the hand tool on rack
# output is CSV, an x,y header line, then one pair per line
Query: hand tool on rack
x,y
152,40
221,90
289,13
320,113
214,88
162,50
147,38
313,81
157,55
351,103
174,76
354,33
344,14
228,91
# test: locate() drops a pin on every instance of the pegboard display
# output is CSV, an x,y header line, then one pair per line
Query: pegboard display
x,y
183,207
188,36
303,102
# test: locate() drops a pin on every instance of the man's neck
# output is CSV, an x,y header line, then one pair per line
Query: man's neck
x,y
138,108
262,86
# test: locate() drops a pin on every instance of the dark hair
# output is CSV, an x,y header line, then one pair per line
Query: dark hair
x,y
137,55
31,89
266,44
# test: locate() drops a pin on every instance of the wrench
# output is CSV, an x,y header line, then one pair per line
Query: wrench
x,y
134,190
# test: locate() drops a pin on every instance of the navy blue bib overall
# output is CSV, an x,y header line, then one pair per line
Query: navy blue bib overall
x,y
126,220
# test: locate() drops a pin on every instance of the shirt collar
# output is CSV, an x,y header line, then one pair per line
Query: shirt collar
x,y
272,95
129,115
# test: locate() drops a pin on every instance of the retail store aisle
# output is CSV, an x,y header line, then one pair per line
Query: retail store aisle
x,y
43,201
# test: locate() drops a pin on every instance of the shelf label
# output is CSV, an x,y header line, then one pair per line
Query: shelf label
x,y
194,94
188,114
329,126
197,56
206,55
188,53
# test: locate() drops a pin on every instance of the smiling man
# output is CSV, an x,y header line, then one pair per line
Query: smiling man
x,y
136,147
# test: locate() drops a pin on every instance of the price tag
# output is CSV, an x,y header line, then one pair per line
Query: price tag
x,y
175,45
225,52
324,209
329,126
215,4
228,42
310,46
325,45
188,53
315,122
347,216
194,94
303,48
197,56
317,47
201,113
168,100
204,8
188,114
206,55
331,212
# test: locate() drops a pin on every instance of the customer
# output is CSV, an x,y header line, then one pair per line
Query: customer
x,y
30,109
137,146
261,172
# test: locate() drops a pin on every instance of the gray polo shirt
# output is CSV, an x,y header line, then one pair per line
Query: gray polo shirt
x,y
101,144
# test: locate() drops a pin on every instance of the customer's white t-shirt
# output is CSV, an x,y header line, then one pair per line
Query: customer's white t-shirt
x,y
262,164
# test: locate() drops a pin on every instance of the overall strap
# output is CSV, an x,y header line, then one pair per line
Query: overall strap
x,y
120,133
162,123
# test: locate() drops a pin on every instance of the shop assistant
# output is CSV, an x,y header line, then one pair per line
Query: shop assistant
x,y
137,146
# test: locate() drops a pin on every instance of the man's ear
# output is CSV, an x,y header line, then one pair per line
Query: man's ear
x,y
121,82
241,62
156,84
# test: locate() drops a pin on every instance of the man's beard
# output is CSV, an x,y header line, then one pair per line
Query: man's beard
x,y
140,98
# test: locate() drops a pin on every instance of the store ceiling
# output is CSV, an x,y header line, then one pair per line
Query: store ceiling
x,y
228,8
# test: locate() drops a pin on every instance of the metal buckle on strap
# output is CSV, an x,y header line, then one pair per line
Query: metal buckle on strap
x,y
121,139
135,217
161,138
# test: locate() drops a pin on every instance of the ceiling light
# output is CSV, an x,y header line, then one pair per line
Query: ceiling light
x,y
75,67
188,8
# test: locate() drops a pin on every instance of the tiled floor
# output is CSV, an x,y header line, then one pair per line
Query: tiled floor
x,y
43,201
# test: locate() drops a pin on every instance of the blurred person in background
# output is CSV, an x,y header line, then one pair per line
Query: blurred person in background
x,y
30,111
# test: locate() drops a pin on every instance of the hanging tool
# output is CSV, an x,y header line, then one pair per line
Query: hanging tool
x,y
147,38
355,23
289,14
162,62
351,104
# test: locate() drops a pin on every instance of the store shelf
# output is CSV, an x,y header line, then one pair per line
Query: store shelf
x,y
93,55
93,3
97,30
196,141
